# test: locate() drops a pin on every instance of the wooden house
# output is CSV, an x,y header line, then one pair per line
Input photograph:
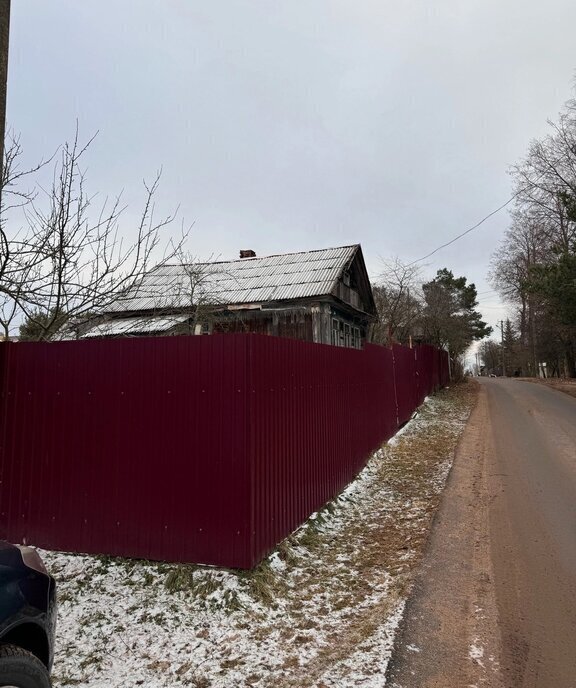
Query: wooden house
x,y
321,296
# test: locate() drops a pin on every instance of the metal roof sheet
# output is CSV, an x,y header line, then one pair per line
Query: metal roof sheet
x,y
247,280
127,326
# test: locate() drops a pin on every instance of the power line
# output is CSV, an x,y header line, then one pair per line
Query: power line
x,y
419,260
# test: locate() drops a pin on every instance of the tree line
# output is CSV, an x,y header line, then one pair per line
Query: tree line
x,y
534,269
442,311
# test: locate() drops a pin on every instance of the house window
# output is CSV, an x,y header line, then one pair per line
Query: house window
x,y
334,333
344,334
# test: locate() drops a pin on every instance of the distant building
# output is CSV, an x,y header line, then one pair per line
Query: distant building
x,y
320,296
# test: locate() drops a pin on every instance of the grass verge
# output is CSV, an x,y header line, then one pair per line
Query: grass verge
x,y
319,612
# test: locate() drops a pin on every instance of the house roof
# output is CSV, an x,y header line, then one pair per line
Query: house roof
x,y
243,281
124,327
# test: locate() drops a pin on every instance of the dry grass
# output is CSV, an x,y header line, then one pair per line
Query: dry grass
x,y
568,386
313,612
384,537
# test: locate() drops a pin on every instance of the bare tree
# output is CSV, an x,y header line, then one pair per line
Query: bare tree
x,y
14,271
490,353
398,297
184,296
197,289
535,267
72,259
207,284
523,247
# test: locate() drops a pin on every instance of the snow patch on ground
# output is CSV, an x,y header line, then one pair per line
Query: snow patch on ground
x,y
320,612
476,652
366,666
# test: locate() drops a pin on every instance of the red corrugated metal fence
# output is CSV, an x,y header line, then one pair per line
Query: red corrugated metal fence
x,y
198,449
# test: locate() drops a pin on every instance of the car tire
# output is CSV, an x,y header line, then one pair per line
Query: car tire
x,y
21,669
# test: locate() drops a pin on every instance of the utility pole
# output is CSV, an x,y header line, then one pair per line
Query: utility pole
x,y
4,34
502,346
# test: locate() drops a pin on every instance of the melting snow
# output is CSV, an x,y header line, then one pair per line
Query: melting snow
x,y
476,652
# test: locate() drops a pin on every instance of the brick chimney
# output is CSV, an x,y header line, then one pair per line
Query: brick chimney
x,y
247,253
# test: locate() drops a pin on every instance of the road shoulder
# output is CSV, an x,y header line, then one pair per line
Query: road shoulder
x,y
449,636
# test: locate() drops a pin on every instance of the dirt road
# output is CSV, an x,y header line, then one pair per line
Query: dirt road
x,y
495,604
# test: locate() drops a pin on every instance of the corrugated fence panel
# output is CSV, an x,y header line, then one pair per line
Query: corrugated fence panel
x,y
128,447
444,368
406,379
194,449
316,414
433,370
424,368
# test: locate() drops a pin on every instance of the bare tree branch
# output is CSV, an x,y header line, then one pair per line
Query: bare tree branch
x,y
73,257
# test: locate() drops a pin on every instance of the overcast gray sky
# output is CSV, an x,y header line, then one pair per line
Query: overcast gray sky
x,y
290,125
